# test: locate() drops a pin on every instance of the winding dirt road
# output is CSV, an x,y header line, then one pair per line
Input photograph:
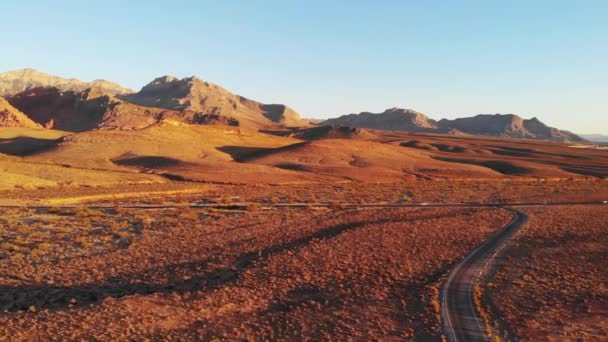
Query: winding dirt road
x,y
461,321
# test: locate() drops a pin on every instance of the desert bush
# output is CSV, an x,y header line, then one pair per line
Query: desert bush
x,y
253,207
87,212
336,206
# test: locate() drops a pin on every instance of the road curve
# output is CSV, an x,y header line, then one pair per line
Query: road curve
x,y
460,318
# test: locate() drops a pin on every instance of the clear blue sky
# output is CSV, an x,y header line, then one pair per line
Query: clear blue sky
x,y
326,58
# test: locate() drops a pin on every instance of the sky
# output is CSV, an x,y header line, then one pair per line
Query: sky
x,y
446,58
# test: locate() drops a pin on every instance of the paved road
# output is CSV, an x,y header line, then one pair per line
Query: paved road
x,y
461,321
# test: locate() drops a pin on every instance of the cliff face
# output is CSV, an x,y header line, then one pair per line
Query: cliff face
x,y
12,117
81,111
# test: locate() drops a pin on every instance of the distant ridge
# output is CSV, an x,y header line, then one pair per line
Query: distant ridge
x,y
511,126
76,106
498,125
595,137
17,81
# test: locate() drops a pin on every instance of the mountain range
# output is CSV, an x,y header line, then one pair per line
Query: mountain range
x,y
72,105
498,125
37,98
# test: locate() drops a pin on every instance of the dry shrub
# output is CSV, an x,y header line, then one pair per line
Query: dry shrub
x,y
253,207
87,212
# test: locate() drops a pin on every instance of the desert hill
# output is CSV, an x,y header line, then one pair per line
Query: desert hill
x,y
362,160
196,95
172,149
167,138
393,119
12,117
17,81
509,125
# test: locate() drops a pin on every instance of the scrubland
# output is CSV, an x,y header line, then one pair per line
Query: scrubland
x,y
552,283
340,192
185,273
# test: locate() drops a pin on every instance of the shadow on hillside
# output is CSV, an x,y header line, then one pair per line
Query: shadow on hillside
x,y
527,152
149,162
25,146
244,153
277,132
502,166
16,298
241,153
